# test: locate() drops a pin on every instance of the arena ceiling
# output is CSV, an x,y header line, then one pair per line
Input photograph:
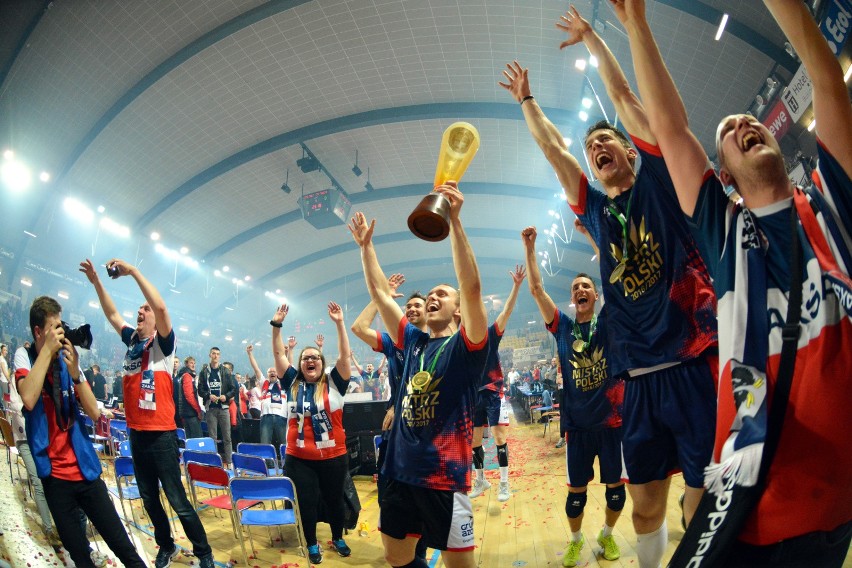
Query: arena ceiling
x,y
186,118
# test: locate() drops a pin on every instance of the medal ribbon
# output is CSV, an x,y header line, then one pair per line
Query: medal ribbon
x,y
623,220
592,328
434,362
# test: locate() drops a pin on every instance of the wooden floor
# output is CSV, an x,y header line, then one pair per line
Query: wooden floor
x,y
529,530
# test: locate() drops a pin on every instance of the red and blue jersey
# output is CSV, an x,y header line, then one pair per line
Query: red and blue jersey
x,y
663,309
814,456
592,397
429,445
395,361
493,379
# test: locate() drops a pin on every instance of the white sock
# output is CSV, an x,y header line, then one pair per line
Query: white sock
x,y
504,474
607,530
576,536
650,547
480,474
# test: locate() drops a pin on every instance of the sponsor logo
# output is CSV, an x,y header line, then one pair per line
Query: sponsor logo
x,y
715,520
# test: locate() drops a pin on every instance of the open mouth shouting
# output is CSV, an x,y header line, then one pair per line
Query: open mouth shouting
x,y
602,160
749,140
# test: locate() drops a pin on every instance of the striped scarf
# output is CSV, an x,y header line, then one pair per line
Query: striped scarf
x,y
320,420
744,330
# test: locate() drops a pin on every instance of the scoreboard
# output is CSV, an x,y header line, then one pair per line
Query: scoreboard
x,y
326,208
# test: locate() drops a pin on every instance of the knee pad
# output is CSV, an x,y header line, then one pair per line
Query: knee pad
x,y
574,504
503,455
615,497
478,457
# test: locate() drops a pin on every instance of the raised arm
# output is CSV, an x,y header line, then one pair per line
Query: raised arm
x,y
357,366
581,228
545,134
377,282
107,305
474,316
381,365
362,326
152,295
626,102
832,111
685,158
518,276
335,313
545,303
253,362
282,363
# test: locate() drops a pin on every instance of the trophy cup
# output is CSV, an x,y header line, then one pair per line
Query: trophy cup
x,y
430,219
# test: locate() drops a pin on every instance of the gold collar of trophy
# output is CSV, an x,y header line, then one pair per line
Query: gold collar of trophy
x,y
430,219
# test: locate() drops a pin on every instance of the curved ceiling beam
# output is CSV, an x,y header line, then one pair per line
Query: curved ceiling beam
x,y
505,111
22,41
232,26
412,190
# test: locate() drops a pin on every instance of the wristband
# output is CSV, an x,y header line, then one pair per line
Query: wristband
x,y
275,324
527,98
77,382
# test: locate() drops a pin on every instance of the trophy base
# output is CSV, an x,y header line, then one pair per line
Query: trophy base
x,y
429,220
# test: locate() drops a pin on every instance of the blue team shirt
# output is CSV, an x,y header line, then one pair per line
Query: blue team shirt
x,y
395,361
592,397
663,309
493,379
429,445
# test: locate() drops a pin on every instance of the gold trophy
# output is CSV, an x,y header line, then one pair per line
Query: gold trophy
x,y
430,219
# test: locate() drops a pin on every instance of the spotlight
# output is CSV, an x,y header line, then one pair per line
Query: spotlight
x,y
584,116
580,64
356,170
286,188
369,186
308,164
44,177
586,102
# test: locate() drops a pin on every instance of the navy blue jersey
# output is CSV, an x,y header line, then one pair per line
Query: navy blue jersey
x,y
429,445
395,362
592,397
493,379
663,310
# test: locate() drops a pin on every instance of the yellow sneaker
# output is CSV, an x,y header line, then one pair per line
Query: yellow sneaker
x,y
610,548
572,553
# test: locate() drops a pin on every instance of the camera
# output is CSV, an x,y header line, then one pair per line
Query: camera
x,y
112,270
80,337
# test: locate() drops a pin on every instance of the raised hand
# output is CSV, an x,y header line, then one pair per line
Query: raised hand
x,y
451,191
361,231
518,274
320,340
281,313
628,10
291,343
394,282
87,268
528,236
124,268
249,349
574,25
335,312
517,81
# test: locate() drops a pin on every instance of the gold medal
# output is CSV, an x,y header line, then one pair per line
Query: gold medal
x,y
579,345
617,272
421,380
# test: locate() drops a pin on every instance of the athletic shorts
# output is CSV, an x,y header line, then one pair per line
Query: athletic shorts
x,y
670,422
580,452
491,409
443,518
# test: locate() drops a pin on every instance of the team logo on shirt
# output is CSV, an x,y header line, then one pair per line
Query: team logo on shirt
x,y
418,405
644,266
590,371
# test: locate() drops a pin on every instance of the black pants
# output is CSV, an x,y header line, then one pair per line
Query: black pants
x,y
66,498
192,426
313,478
155,459
824,549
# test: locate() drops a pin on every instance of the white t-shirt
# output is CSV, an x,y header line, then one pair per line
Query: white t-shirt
x,y
4,370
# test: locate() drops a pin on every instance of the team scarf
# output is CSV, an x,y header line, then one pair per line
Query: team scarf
x,y
744,331
147,384
320,420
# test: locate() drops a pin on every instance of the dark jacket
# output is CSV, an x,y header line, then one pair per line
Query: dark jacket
x,y
227,388
184,408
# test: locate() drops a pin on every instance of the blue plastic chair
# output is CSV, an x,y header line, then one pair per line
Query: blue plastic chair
x,y
124,449
274,490
201,444
211,476
249,466
265,451
125,489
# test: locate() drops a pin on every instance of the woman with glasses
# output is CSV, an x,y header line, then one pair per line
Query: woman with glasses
x,y
316,456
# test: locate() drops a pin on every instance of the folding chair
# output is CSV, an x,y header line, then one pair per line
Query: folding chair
x,y
215,477
547,418
249,466
124,449
265,451
267,489
11,448
125,489
201,444
98,442
206,458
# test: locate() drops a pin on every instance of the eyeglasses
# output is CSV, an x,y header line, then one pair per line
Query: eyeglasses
x,y
311,358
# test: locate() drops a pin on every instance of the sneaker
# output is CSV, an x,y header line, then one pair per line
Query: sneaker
x,y
560,443
206,561
98,559
315,554
610,548
480,486
503,494
682,515
572,553
165,556
341,547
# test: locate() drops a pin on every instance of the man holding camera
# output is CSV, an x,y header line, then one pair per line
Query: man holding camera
x,y
150,410
51,386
